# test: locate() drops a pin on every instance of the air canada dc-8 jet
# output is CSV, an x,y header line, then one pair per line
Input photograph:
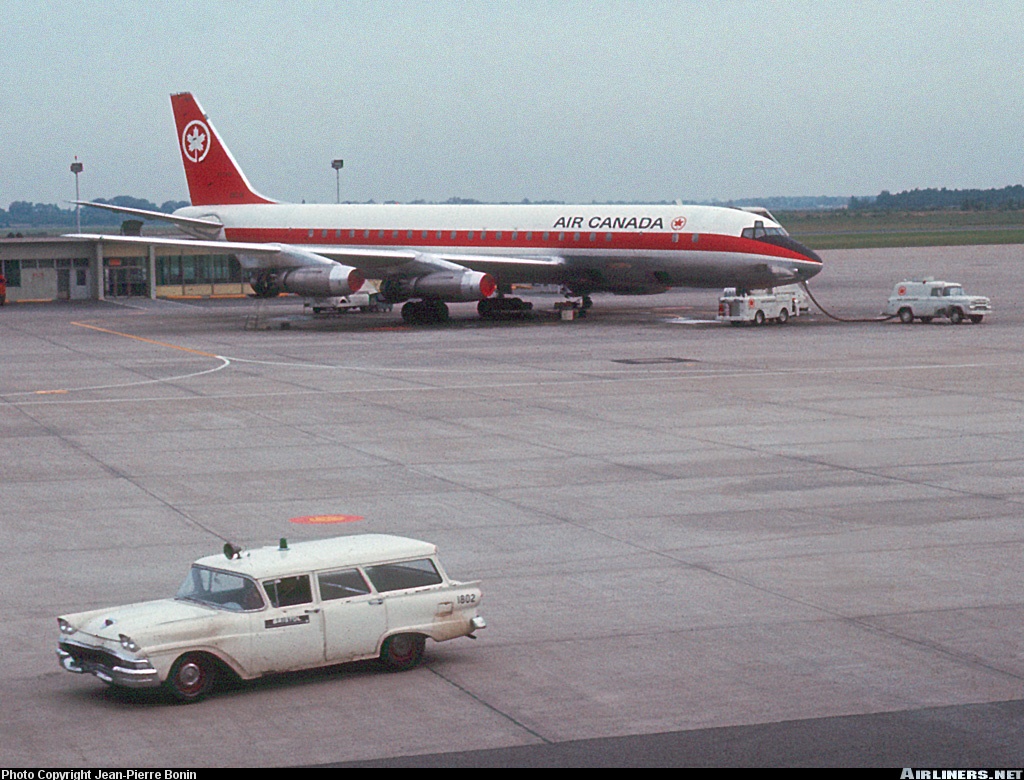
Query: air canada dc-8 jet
x,y
431,255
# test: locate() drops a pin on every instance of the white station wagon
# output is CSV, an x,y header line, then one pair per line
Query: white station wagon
x,y
277,609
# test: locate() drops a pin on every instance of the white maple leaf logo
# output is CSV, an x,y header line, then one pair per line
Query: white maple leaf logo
x,y
195,141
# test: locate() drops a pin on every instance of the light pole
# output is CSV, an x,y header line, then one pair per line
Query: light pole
x,y
338,165
76,168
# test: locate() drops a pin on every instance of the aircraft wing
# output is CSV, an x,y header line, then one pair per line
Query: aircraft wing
x,y
209,227
373,263
382,264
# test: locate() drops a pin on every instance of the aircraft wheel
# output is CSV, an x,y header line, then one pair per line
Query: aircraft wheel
x,y
437,311
424,312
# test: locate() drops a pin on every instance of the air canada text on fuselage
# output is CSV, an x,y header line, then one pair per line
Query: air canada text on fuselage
x,y
610,223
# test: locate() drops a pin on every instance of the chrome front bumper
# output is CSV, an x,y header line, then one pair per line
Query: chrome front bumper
x,y
108,667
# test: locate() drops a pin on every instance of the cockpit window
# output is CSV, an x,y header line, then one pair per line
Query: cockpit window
x,y
759,231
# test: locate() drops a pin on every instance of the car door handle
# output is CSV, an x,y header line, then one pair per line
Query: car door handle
x,y
312,611
375,601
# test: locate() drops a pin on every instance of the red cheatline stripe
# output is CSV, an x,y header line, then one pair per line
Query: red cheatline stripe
x,y
557,239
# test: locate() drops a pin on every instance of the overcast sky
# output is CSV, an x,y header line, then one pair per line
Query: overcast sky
x,y
570,101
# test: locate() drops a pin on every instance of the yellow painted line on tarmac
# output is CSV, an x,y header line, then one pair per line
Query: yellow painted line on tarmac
x,y
147,341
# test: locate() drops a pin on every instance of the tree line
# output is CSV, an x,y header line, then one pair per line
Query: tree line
x,y
22,213
1007,198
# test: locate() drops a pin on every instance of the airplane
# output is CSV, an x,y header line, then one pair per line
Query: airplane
x,y
427,256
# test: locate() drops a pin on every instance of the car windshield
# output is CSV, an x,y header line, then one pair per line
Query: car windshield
x,y
220,589
953,291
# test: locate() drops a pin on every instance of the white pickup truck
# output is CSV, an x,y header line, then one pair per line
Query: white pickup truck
x,y
926,299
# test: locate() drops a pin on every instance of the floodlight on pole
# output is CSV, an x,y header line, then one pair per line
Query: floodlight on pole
x,y
338,165
76,168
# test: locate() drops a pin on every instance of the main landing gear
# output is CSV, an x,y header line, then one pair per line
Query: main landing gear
x,y
502,308
425,312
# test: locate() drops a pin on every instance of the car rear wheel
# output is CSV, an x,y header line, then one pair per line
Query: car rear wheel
x,y
402,651
783,315
191,677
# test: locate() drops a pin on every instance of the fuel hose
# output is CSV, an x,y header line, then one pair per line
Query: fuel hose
x,y
837,318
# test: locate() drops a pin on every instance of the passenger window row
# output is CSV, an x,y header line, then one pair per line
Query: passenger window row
x,y
346,583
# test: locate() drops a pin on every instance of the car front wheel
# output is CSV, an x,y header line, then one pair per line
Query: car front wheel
x,y
191,678
906,316
402,651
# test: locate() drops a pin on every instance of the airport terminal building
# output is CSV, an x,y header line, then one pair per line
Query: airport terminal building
x,y
62,268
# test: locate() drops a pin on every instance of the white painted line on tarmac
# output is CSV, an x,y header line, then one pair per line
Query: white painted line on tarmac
x,y
554,382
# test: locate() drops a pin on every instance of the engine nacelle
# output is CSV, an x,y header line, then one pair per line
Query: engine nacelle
x,y
322,281
453,286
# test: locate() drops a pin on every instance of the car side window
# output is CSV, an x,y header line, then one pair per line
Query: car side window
x,y
288,591
407,574
342,584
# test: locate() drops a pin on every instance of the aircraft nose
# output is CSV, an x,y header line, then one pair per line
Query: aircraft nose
x,y
810,261
790,243
807,252
794,246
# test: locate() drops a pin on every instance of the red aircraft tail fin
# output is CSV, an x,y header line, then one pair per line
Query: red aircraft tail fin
x,y
214,177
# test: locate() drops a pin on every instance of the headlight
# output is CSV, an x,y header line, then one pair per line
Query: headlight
x,y
128,644
65,627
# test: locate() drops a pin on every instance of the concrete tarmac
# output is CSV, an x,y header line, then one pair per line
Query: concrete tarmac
x,y
699,545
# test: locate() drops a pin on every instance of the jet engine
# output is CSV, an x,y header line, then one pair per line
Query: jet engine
x,y
454,286
321,281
